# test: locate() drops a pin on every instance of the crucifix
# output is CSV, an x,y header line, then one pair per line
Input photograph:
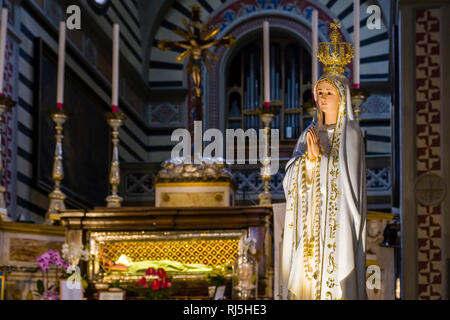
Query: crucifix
x,y
199,38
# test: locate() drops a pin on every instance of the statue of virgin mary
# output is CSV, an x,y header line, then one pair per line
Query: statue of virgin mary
x,y
323,254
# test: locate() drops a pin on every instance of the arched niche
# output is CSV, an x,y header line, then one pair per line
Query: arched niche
x,y
244,31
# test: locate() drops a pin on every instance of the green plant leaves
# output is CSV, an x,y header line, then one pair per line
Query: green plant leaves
x,y
40,287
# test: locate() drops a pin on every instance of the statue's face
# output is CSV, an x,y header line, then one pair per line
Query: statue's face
x,y
327,97
374,228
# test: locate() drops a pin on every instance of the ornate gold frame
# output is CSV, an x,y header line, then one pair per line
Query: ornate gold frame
x,y
96,238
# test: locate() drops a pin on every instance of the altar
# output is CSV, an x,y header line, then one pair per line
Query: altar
x,y
188,241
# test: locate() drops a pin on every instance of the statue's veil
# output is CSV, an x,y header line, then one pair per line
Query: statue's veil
x,y
340,82
342,177
344,133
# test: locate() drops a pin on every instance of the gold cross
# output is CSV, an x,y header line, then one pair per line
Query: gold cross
x,y
335,25
199,37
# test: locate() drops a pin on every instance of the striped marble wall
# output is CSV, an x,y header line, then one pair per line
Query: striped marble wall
x,y
126,13
38,19
144,137
165,75
374,43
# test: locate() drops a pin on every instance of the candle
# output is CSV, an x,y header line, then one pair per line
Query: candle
x,y
61,61
315,44
266,43
3,27
115,73
356,43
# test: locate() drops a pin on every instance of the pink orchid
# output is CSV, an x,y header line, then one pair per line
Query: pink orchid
x,y
43,264
46,256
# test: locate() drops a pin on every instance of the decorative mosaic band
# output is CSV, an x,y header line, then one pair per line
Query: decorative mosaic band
x,y
212,252
428,127
8,124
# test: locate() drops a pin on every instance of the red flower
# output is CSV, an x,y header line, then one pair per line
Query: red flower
x,y
142,282
163,283
150,271
161,273
155,284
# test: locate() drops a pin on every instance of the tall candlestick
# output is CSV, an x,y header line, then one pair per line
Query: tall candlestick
x,y
115,120
115,73
61,62
57,197
266,42
3,28
315,44
356,80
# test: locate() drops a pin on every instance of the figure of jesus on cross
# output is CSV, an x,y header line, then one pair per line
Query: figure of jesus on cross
x,y
199,38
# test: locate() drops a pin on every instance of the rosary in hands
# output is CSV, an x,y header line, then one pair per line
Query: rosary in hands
x,y
312,140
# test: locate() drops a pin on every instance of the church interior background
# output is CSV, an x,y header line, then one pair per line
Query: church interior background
x,y
404,66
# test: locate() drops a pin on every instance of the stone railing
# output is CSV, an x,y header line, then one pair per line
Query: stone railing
x,y
137,186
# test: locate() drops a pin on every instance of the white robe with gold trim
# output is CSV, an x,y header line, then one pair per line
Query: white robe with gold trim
x,y
342,214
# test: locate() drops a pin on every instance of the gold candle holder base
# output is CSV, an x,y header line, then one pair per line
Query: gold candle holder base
x,y
57,197
6,104
265,198
266,115
358,97
115,121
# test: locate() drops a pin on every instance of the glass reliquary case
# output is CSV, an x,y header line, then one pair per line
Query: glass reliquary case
x,y
125,256
187,242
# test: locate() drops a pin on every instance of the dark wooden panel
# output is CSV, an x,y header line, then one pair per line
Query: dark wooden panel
x,y
86,142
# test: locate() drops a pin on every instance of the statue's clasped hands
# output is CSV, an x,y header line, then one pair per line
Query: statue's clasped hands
x,y
312,140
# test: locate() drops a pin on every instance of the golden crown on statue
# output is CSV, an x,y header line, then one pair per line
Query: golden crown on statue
x,y
335,55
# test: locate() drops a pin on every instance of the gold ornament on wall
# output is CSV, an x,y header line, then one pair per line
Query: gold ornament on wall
x,y
209,169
